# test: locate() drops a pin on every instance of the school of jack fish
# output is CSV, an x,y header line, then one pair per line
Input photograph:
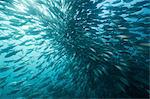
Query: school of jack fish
x,y
74,49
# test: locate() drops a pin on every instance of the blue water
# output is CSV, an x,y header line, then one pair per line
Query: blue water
x,y
74,49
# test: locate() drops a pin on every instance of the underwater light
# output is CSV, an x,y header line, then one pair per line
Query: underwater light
x,y
74,49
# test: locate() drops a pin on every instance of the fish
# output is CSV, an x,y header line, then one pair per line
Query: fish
x,y
141,3
122,36
13,92
17,60
40,65
1,45
16,84
145,44
18,68
9,61
122,28
74,48
18,23
19,37
9,48
23,43
23,73
3,78
12,53
43,85
4,37
116,2
37,74
127,1
4,69
3,85
34,95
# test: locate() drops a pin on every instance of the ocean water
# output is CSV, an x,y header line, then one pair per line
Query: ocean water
x,y
74,49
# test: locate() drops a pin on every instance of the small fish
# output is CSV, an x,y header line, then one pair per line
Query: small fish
x,y
127,1
23,73
9,61
40,65
45,79
29,51
91,57
4,69
124,80
40,57
13,92
145,44
4,78
88,65
19,37
106,55
100,72
37,74
16,84
18,68
96,73
15,61
23,43
1,46
109,52
120,87
4,37
116,1
110,29
74,48
125,52
122,28
141,3
9,48
122,36
3,85
2,81
34,95
43,85
12,53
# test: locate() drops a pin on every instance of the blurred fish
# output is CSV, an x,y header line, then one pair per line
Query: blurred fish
x,y
37,74
117,1
18,68
40,65
13,92
4,37
12,53
145,44
127,1
74,48
17,60
24,73
123,36
3,79
10,47
3,85
9,61
16,84
4,69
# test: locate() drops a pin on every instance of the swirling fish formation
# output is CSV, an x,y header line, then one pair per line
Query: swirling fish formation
x,y
74,49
